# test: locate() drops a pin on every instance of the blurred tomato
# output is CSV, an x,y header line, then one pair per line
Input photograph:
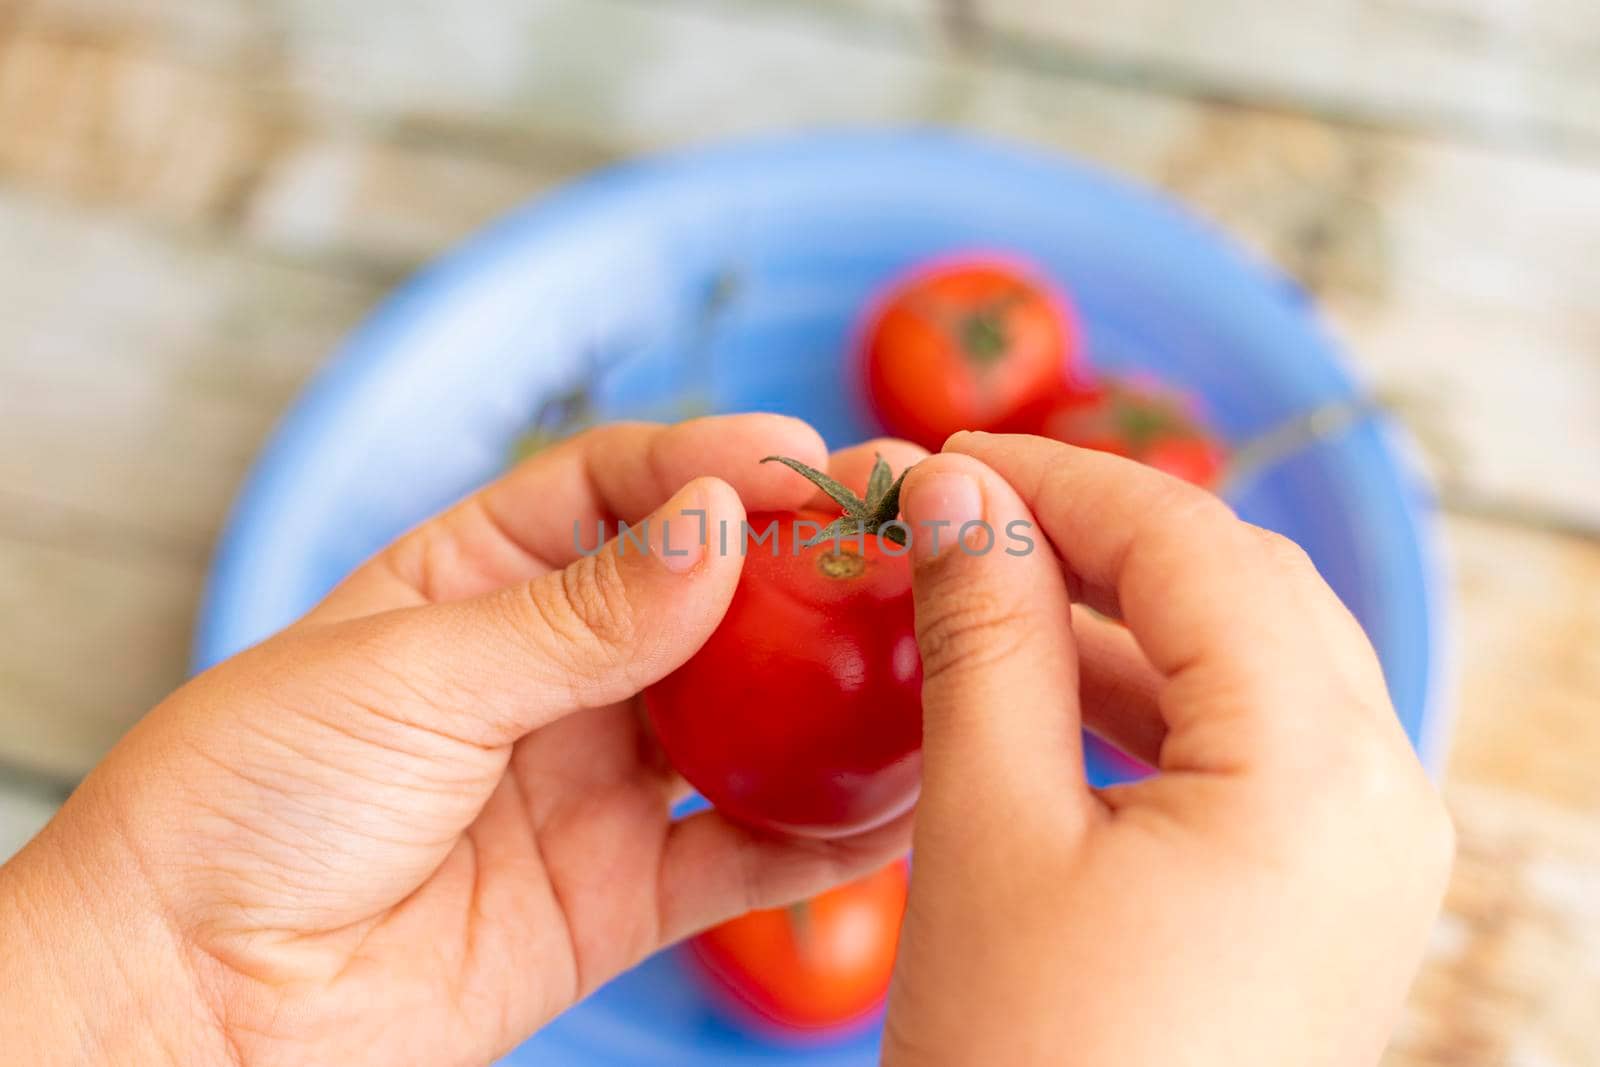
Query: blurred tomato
x,y
963,343
1156,426
822,963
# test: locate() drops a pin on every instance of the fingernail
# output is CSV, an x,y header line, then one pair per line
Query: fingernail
x,y
678,539
937,508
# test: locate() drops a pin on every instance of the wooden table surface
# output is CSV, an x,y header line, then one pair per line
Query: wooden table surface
x,y
198,198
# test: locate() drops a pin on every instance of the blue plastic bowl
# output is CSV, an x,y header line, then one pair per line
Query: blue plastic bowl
x,y
612,279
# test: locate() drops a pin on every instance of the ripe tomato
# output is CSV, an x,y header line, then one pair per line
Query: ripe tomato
x,y
1156,427
803,711
823,963
961,344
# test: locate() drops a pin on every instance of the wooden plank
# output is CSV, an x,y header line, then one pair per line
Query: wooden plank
x,y
104,117
1520,73
1508,73
1530,660
398,201
1512,975
94,637
1431,256
233,35
147,410
1435,262
97,116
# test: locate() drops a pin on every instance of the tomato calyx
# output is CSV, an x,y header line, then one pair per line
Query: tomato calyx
x,y
1143,421
984,339
876,514
985,334
981,334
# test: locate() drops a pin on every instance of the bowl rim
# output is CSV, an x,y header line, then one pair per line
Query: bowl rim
x,y
362,353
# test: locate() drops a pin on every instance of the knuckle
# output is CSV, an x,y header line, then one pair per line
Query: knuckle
x,y
1282,554
967,632
597,597
1353,770
586,607
1367,774
1406,814
1179,505
1175,514
1369,779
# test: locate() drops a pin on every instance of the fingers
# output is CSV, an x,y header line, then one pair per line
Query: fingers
x,y
535,517
999,695
713,869
1235,618
1117,686
488,670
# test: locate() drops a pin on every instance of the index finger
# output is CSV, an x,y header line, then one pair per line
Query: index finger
x,y
1257,651
545,511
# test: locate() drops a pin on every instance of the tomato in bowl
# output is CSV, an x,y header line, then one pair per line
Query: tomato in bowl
x,y
962,342
821,965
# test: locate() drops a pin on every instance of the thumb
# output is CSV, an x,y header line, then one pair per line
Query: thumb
x,y
491,669
1000,679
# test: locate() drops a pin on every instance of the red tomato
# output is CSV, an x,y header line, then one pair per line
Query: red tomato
x,y
1153,426
823,963
960,345
803,712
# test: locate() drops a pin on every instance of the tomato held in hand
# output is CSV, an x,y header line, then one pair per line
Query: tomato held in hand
x,y
803,711
1156,427
962,344
820,964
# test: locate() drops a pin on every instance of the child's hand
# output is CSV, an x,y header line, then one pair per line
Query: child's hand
x,y
1263,901
426,818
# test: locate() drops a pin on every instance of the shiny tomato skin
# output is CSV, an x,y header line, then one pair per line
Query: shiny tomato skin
x,y
962,343
803,711
822,964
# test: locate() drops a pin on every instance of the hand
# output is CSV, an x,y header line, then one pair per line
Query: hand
x,y
1263,900
426,818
